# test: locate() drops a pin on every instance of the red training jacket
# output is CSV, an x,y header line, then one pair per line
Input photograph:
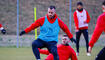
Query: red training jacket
x,y
76,20
64,52
40,22
100,27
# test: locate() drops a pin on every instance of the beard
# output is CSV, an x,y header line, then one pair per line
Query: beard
x,y
80,9
66,44
52,17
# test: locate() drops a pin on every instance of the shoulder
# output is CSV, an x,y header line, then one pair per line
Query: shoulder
x,y
101,16
59,45
60,21
75,12
42,18
70,48
86,11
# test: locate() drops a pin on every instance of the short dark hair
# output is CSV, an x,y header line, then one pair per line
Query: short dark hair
x,y
52,7
103,3
65,36
79,3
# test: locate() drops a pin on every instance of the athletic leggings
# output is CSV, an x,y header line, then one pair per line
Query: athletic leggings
x,y
51,46
85,34
101,55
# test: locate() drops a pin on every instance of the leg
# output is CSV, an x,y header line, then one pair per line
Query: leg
x,y
101,55
35,45
85,33
53,49
78,34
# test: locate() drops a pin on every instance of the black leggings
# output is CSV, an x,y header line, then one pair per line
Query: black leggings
x,y
101,55
85,34
51,46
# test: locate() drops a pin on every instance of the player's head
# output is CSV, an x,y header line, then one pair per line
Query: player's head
x,y
65,40
51,11
79,6
103,6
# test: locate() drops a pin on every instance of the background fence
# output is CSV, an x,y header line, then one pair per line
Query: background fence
x,y
8,17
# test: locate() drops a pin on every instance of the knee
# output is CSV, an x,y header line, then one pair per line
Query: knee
x,y
54,51
34,44
55,54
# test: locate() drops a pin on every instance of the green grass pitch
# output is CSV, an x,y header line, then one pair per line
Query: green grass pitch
x,y
7,53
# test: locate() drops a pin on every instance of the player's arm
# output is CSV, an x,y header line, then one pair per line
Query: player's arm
x,y
66,30
96,34
37,23
104,29
76,21
3,31
73,55
97,31
88,17
46,52
49,57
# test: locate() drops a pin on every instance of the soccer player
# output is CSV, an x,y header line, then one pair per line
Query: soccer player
x,y
100,27
81,20
49,30
3,31
65,51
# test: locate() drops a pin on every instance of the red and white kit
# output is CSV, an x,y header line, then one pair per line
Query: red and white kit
x,y
81,19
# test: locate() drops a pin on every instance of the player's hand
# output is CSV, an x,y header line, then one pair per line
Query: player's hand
x,y
22,32
76,30
90,49
73,40
3,31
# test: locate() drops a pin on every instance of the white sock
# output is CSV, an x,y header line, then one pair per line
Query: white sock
x,y
38,59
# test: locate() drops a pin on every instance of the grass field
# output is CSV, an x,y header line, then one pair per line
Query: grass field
x,y
7,53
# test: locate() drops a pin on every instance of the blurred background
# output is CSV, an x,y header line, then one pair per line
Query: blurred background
x,y
8,14
8,18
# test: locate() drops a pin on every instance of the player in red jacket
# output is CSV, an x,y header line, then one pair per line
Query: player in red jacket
x,y
65,51
100,27
81,20
49,29
3,31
